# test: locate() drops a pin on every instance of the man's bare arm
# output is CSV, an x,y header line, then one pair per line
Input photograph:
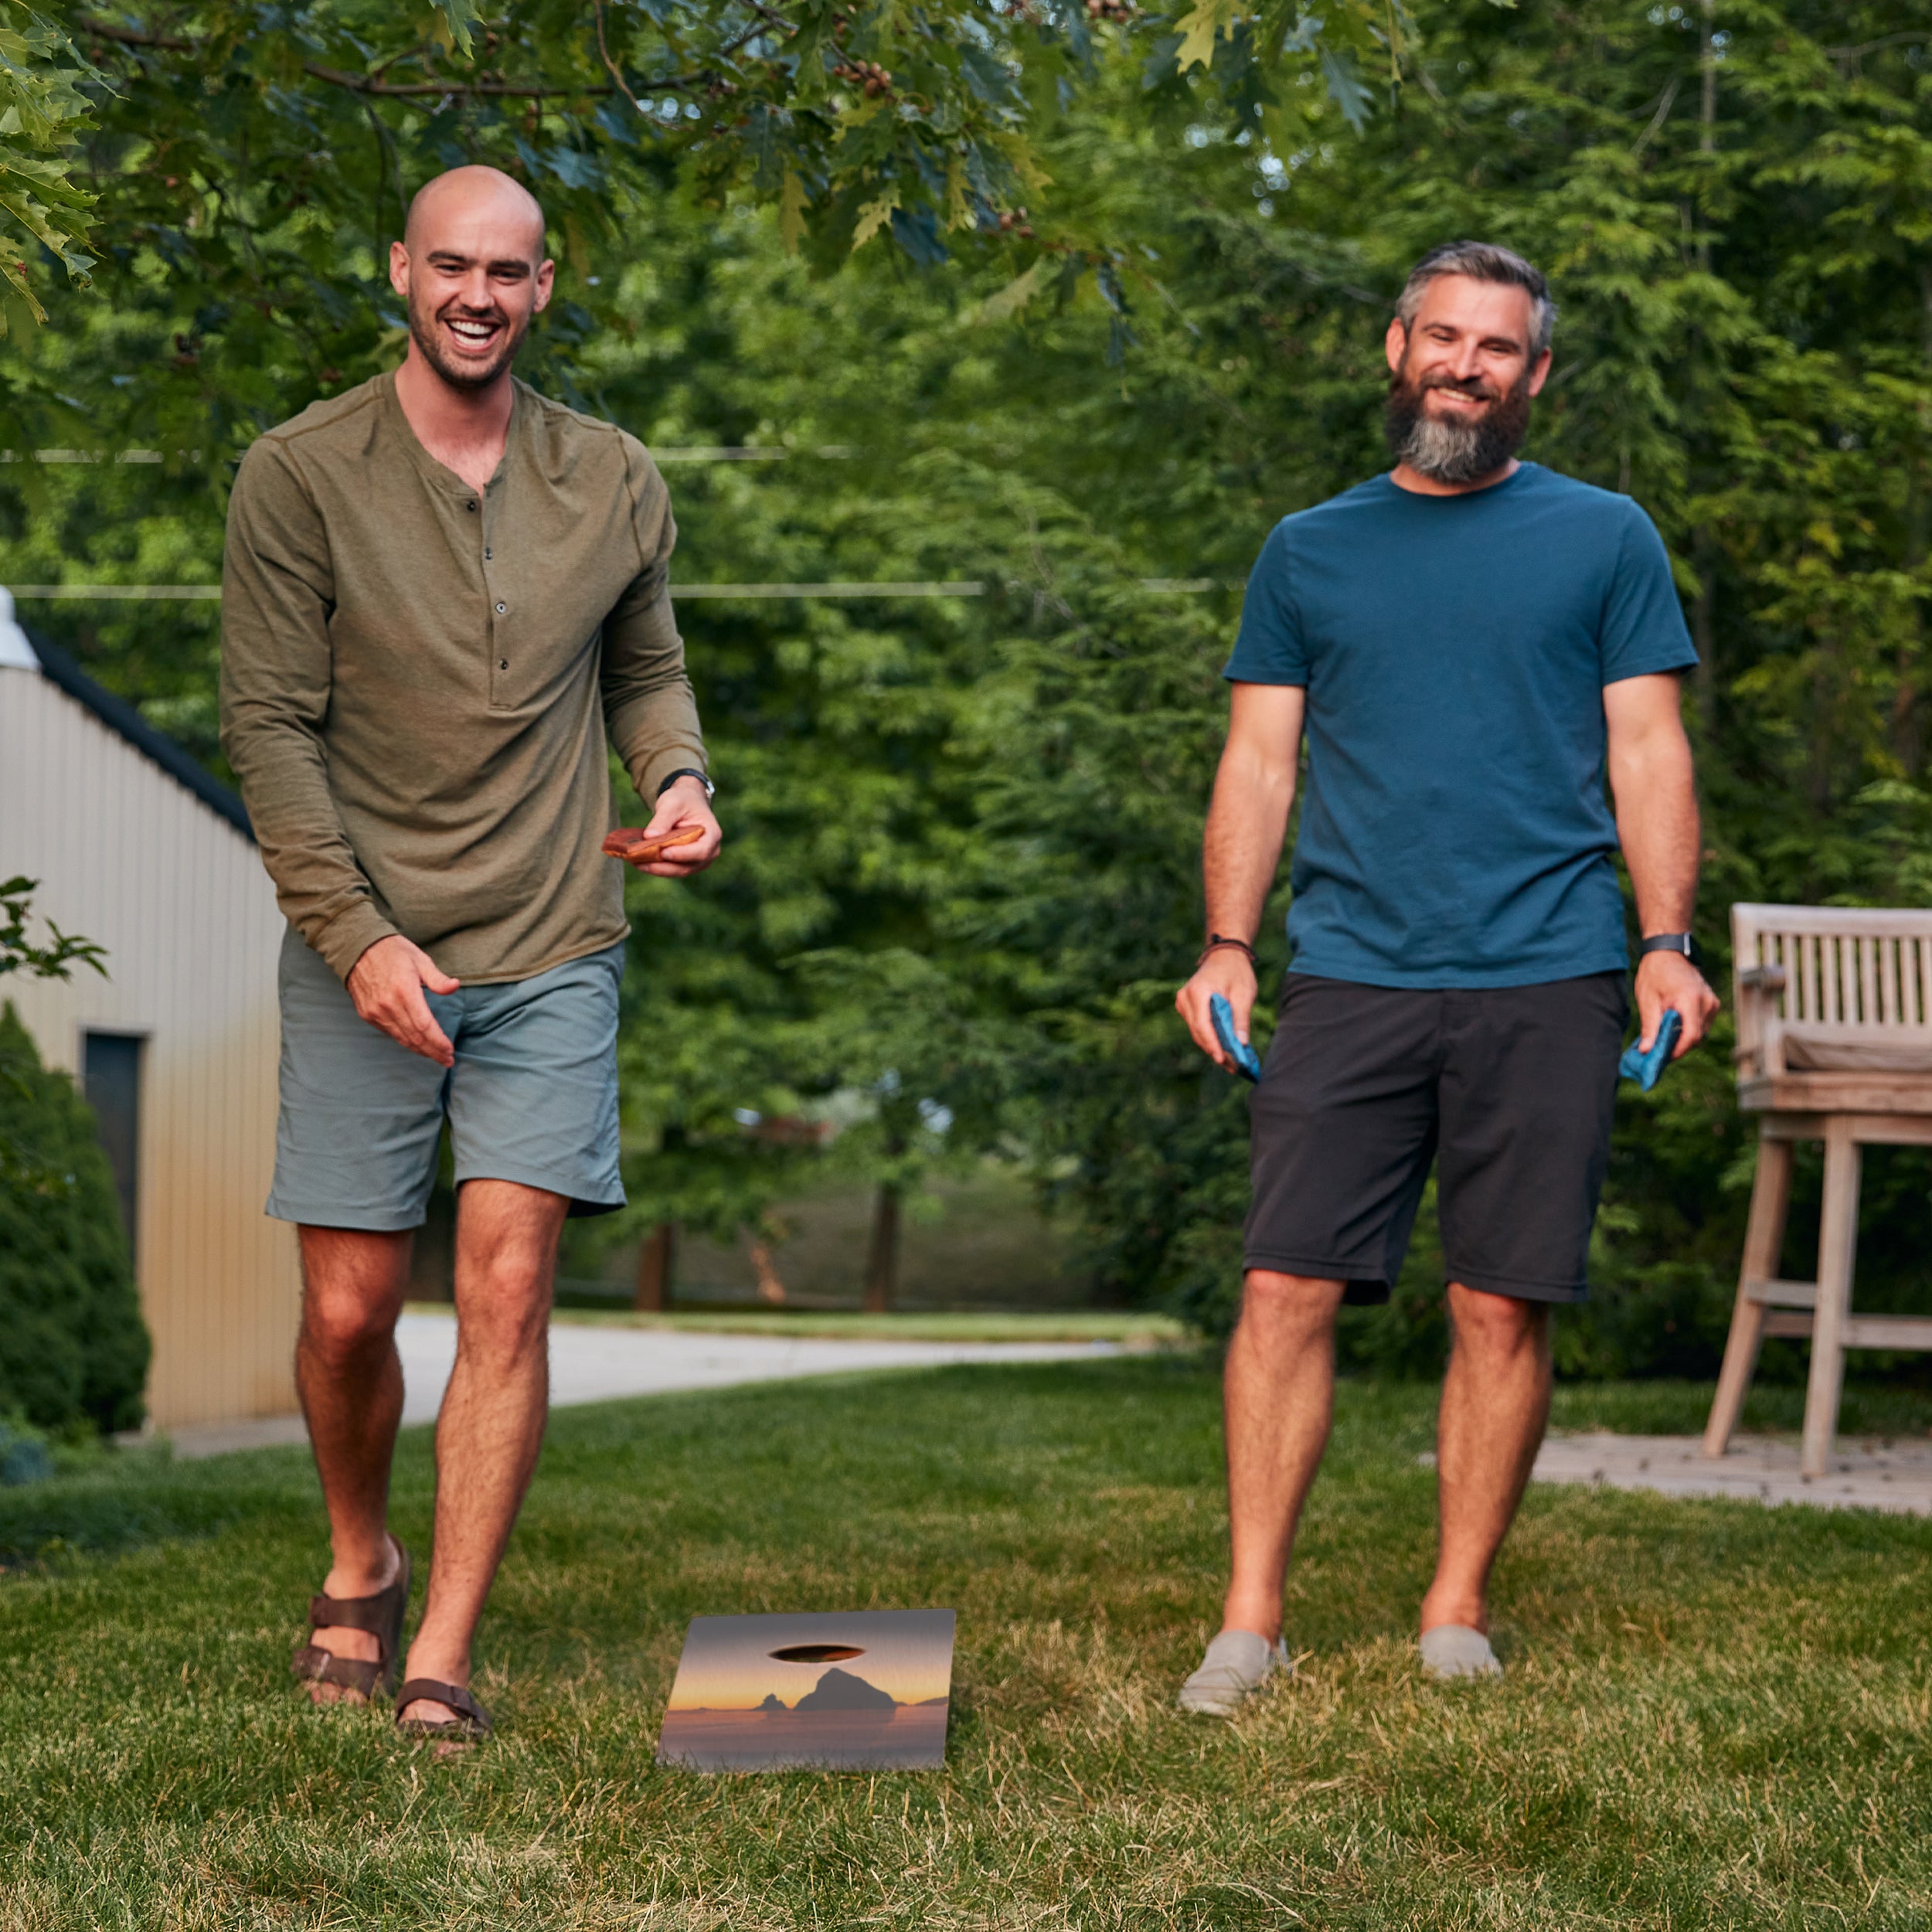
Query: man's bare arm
x,y
1652,779
1254,792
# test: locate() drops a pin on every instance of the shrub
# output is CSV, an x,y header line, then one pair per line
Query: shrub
x,y
24,1457
73,1348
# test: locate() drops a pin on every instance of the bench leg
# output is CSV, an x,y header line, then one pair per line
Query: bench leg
x,y
1837,1250
1764,1238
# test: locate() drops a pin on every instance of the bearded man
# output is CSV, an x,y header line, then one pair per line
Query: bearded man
x,y
1471,645
441,591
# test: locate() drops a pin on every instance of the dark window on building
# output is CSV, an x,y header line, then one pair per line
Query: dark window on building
x,y
111,1078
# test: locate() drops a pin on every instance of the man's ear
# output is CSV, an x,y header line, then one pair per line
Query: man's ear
x,y
399,269
1539,373
546,281
1395,343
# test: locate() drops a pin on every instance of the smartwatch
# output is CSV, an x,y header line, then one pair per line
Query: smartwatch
x,y
689,771
1674,943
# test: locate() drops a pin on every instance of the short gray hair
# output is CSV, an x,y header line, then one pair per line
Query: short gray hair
x,y
1483,262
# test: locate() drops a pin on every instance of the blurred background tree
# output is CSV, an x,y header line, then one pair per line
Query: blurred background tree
x,y
73,1348
961,879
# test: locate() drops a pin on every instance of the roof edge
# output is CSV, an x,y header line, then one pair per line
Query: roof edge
x,y
125,722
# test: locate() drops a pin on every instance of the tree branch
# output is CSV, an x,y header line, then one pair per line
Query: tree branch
x,y
402,54
605,52
1658,118
368,84
132,36
418,90
1873,47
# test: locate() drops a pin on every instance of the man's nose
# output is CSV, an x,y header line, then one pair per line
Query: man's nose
x,y
476,292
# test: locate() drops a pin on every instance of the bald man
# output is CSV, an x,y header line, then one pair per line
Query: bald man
x,y
441,592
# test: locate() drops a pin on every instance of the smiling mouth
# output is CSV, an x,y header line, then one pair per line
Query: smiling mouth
x,y
473,334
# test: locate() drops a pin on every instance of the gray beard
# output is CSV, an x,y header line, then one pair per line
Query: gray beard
x,y
1454,452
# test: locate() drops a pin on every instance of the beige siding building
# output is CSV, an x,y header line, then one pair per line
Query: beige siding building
x,y
137,849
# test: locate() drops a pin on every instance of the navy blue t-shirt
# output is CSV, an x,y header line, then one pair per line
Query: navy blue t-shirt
x,y
1455,830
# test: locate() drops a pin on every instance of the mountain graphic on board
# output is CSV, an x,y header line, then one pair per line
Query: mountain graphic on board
x,y
838,1692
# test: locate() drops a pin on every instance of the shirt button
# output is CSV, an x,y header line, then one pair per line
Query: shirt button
x,y
502,663
486,553
501,608
469,506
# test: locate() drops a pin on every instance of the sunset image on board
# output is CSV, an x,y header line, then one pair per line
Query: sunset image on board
x,y
862,1691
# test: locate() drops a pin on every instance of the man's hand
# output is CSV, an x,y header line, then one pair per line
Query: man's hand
x,y
386,984
682,803
1225,971
1665,980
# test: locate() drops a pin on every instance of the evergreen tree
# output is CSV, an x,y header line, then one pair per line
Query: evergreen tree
x,y
73,1348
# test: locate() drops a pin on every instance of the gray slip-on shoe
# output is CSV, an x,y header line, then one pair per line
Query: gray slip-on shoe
x,y
1454,1650
1237,1663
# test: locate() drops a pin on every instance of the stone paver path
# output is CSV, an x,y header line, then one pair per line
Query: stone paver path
x,y
1866,1473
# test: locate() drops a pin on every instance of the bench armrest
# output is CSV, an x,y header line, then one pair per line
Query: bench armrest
x,y
1757,1029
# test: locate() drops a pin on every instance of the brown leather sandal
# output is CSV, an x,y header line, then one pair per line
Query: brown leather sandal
x,y
470,1724
380,1615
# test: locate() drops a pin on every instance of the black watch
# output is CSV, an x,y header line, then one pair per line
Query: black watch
x,y
1674,943
689,771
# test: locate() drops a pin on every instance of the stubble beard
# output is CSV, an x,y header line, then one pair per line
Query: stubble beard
x,y
1454,452
466,376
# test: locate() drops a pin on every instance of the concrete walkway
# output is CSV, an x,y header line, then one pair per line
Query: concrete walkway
x,y
592,1364
1870,1473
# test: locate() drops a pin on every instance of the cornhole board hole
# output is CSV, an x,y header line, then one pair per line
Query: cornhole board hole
x,y
867,1691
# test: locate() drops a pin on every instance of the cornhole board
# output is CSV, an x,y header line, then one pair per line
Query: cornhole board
x,y
867,1690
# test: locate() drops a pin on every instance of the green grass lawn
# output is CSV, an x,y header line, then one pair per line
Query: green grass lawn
x,y
1716,1715
1133,1327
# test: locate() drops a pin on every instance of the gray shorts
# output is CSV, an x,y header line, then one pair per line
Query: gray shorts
x,y
532,1096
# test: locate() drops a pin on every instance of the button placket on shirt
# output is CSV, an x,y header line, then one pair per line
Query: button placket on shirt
x,y
496,606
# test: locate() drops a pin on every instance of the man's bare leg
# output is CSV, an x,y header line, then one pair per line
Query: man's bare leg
x,y
1279,1396
350,1381
1495,1404
491,1424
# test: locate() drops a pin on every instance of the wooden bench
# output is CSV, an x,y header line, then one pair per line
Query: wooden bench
x,y
1834,1044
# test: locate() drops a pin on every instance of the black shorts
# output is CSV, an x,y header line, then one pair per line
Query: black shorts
x,y
1512,1087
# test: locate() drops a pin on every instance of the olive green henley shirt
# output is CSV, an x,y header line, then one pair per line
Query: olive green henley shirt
x,y
417,677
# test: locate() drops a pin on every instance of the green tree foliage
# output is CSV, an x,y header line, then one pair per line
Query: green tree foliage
x,y
20,952
54,957
44,109
1719,195
963,831
254,163
73,1348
